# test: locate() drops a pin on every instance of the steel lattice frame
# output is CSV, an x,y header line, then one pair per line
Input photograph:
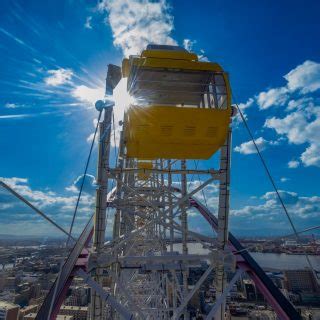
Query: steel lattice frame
x,y
149,278
147,274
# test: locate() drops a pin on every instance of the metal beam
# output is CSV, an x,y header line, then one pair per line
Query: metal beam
x,y
220,301
212,172
96,308
184,303
105,296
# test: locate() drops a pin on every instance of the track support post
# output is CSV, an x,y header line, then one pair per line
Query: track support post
x,y
223,217
97,304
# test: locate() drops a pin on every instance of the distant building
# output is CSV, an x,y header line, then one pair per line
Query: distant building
x,y
32,316
35,291
8,311
290,243
78,313
300,280
27,310
262,315
249,290
37,301
10,283
79,296
29,316
2,281
313,314
310,299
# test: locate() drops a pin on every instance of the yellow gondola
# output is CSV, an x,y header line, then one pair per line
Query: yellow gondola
x,y
182,106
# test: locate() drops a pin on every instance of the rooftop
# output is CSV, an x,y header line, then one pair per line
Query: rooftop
x,y
7,305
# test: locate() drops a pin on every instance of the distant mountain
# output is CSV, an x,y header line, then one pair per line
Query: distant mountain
x,y
21,237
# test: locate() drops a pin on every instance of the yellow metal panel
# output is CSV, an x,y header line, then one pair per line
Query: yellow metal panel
x,y
125,68
175,64
175,132
169,54
144,165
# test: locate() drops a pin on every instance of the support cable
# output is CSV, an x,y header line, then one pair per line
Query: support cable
x,y
84,177
296,233
302,231
267,170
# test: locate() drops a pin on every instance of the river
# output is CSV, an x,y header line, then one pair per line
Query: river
x,y
268,261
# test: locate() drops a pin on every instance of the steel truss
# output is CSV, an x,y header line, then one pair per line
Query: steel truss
x,y
140,273
148,275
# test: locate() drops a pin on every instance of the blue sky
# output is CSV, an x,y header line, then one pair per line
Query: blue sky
x,y
53,64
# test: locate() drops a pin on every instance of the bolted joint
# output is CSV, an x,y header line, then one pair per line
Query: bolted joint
x,y
104,104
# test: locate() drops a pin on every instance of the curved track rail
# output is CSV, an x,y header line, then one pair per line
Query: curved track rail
x,y
74,260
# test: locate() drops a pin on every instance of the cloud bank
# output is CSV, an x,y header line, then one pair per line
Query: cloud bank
x,y
136,23
300,124
15,215
58,77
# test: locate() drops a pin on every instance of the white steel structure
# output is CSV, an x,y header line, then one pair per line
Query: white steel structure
x,y
149,275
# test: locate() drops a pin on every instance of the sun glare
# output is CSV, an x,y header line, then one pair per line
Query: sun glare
x,y
122,99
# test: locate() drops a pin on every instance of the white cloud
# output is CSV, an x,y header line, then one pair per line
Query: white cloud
x,y
242,106
208,195
87,95
16,116
188,44
284,179
311,156
28,115
39,198
14,180
249,148
293,164
11,105
272,97
305,77
90,137
292,126
288,197
59,207
301,127
298,103
58,77
87,24
298,207
136,23
202,56
89,184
